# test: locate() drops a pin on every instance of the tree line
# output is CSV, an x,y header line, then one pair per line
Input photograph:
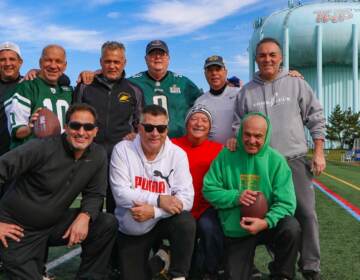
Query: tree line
x,y
343,127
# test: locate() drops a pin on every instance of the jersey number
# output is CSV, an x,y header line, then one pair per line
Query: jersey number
x,y
161,100
61,108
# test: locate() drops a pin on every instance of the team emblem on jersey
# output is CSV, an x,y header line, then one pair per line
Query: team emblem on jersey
x,y
124,97
158,90
65,88
175,89
53,90
138,75
157,83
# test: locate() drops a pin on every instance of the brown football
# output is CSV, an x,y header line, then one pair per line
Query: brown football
x,y
47,124
256,210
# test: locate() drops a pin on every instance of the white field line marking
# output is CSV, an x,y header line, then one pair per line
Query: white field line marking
x,y
59,261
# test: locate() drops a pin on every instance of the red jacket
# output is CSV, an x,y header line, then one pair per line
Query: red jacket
x,y
200,158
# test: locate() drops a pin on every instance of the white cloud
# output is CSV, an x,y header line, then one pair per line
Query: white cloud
x,y
17,26
192,14
113,15
172,18
158,18
242,60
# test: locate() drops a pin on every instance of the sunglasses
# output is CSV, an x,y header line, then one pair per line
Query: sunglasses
x,y
161,128
77,126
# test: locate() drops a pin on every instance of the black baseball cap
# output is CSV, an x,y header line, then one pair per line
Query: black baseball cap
x,y
157,45
214,60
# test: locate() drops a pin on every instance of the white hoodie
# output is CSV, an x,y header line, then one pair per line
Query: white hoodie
x,y
134,178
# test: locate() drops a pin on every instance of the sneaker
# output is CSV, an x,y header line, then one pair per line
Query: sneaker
x,y
255,274
47,276
164,254
159,263
208,276
311,275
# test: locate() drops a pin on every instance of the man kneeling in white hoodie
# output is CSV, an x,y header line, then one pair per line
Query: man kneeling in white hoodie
x,y
153,191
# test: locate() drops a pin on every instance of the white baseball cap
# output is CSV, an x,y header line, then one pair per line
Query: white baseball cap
x,y
10,46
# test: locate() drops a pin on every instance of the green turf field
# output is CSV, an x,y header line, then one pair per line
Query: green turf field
x,y
339,231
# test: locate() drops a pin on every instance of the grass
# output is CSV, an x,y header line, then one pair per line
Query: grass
x,y
339,232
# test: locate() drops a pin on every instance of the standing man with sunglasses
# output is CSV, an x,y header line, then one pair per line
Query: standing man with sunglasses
x,y
44,91
153,190
50,174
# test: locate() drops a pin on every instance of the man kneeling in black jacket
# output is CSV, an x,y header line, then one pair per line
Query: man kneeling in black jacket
x,y
50,173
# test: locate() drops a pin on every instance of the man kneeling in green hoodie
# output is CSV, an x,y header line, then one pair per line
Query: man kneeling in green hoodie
x,y
234,179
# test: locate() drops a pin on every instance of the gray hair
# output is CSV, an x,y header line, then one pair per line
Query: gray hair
x,y
112,45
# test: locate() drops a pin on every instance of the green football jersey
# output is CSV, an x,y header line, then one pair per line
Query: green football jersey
x,y
174,92
31,95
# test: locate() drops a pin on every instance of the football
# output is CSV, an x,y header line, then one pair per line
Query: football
x,y
257,209
47,124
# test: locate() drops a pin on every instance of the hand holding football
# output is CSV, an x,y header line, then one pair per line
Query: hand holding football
x,y
47,124
256,209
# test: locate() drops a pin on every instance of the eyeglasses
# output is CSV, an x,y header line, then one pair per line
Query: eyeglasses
x,y
156,52
161,128
77,126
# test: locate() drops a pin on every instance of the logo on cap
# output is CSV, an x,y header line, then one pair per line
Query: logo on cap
x,y
214,60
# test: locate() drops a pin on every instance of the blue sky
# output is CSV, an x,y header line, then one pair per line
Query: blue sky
x,y
193,30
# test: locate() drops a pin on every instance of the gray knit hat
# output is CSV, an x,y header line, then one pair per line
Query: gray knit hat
x,y
199,108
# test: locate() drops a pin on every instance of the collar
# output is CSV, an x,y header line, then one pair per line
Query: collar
x,y
109,83
12,81
217,92
163,78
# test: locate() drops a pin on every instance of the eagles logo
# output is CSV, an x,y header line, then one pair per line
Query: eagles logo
x,y
213,58
124,97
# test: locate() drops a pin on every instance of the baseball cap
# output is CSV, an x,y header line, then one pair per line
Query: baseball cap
x,y
214,60
157,45
234,80
10,46
199,108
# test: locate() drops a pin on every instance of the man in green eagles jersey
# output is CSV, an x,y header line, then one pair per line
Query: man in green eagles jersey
x,y
44,91
174,92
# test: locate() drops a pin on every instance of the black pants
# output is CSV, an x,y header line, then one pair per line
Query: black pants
x,y
134,250
284,240
24,260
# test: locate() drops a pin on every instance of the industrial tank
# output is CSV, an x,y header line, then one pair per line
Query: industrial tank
x,y
321,40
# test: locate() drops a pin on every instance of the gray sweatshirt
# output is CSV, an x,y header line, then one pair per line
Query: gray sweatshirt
x,y
221,108
290,104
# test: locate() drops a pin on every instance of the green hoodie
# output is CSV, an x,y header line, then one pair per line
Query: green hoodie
x,y
233,172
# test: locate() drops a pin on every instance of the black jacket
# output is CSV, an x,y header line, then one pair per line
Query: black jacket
x,y
48,180
118,108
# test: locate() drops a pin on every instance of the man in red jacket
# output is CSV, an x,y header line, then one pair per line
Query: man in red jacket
x,y
201,152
